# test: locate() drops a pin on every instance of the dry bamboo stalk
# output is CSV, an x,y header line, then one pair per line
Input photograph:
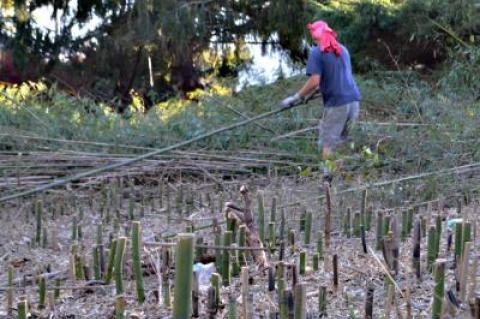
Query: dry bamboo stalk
x,y
113,166
385,270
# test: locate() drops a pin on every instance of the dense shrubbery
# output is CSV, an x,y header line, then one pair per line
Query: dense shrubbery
x,y
446,135
410,32
460,75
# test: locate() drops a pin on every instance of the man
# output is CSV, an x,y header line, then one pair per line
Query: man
x,y
329,68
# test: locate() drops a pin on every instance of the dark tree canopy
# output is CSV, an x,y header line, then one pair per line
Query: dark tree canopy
x,y
169,35
158,47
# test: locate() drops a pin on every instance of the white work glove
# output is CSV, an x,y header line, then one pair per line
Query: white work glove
x,y
290,101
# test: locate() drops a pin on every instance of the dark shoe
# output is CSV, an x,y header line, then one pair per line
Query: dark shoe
x,y
328,178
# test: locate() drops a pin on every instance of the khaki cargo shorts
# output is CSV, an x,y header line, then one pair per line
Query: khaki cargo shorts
x,y
336,123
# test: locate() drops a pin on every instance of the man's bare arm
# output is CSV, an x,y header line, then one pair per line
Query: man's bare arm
x,y
312,84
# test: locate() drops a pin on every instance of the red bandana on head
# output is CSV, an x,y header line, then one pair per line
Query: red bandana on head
x,y
325,37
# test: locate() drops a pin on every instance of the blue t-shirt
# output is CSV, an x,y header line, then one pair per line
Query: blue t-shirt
x,y
337,84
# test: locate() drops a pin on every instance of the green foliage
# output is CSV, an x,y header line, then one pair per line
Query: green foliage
x,y
171,34
461,74
383,32
442,128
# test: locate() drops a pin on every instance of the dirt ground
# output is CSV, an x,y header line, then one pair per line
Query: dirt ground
x,y
165,213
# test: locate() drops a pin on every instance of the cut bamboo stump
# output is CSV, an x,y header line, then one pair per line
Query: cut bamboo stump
x,y
261,216
431,252
328,214
281,287
119,262
247,306
216,282
42,292
439,290
137,263
322,301
380,227
364,239
335,271
182,302
300,297
417,237
464,270
226,266
120,304
10,291
232,307
195,296
473,277
308,228
303,262
22,308
211,303
111,261
369,301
